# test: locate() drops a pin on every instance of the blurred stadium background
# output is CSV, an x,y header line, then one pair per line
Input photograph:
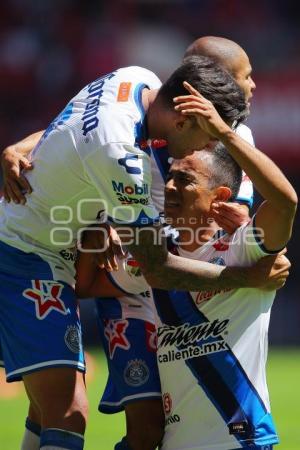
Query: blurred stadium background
x,y
49,49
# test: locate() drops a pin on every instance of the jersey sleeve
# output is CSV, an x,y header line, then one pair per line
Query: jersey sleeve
x,y
247,244
129,277
245,194
121,174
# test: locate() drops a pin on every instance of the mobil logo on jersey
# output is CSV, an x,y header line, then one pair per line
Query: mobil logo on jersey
x,y
127,193
130,189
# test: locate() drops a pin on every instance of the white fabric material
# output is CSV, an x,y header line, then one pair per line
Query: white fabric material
x,y
245,314
51,447
88,153
246,189
31,441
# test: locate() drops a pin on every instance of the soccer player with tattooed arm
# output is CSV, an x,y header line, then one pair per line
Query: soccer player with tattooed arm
x,y
215,339
182,137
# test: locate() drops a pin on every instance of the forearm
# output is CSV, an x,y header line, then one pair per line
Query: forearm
x,y
174,272
25,146
184,274
265,175
86,273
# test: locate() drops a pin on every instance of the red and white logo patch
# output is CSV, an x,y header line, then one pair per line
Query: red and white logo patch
x,y
151,337
167,403
46,295
115,334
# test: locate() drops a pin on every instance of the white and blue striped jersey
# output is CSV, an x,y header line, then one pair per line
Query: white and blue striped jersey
x,y
89,163
212,351
141,306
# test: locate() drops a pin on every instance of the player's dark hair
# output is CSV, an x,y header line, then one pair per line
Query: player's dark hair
x,y
224,171
213,82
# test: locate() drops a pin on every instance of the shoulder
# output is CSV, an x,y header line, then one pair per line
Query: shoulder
x,y
137,74
245,132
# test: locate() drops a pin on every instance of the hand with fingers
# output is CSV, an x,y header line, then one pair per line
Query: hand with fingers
x,y
271,272
229,216
16,185
202,110
104,243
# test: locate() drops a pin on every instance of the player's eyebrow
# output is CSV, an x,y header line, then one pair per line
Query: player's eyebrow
x,y
189,174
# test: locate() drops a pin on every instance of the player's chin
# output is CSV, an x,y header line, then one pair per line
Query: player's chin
x,y
173,216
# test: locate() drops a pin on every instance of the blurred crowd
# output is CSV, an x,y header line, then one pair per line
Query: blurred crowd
x,y
49,49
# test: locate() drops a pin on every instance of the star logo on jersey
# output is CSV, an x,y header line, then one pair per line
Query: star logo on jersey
x,y
46,295
151,337
115,334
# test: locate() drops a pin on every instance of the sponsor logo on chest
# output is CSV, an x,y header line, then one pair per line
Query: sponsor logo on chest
x,y
128,194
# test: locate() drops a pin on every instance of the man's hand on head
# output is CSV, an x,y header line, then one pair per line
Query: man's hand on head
x,y
203,110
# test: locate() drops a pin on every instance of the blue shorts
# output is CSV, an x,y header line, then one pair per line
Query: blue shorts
x,y
39,322
132,366
257,447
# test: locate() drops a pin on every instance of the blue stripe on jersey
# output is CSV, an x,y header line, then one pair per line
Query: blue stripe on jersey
x,y
162,156
63,116
140,130
219,374
245,200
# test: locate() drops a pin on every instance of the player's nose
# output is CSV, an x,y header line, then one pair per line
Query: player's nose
x,y
252,84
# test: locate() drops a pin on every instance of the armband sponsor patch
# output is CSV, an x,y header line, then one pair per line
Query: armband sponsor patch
x,y
123,92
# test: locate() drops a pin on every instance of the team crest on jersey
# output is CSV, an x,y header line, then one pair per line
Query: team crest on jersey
x,y
73,338
136,372
114,332
221,245
46,296
218,260
132,268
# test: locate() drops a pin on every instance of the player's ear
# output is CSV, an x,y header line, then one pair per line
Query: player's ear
x,y
183,123
223,194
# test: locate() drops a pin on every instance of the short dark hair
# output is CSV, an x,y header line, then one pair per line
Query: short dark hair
x,y
224,170
213,82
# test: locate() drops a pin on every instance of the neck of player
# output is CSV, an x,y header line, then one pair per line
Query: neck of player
x,y
193,236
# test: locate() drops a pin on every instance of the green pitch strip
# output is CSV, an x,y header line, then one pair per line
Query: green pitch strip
x,y
105,430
